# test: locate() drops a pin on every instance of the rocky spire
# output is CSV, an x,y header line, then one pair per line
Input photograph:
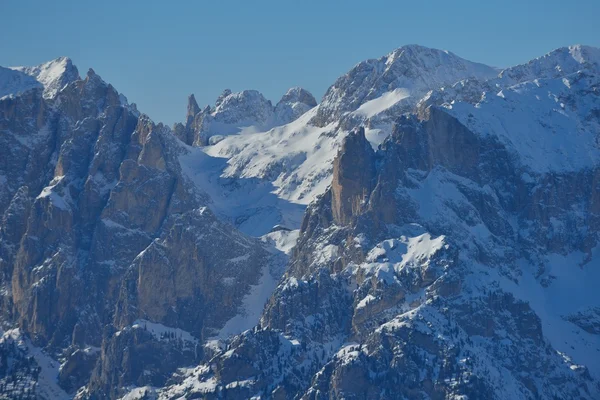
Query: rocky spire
x,y
192,108
353,174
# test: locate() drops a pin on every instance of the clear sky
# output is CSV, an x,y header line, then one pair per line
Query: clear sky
x,y
158,52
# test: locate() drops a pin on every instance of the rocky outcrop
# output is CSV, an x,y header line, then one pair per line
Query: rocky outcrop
x,y
353,175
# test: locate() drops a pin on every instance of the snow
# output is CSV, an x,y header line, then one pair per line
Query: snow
x,y
252,306
161,331
13,83
296,158
246,202
56,199
138,393
47,387
365,301
52,75
382,103
531,119
574,288
348,353
262,179
282,240
559,62
413,69
391,256
192,382
376,136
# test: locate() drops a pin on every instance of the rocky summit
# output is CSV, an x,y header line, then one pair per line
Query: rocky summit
x,y
429,230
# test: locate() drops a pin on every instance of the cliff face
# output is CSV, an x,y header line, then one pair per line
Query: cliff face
x,y
101,229
353,174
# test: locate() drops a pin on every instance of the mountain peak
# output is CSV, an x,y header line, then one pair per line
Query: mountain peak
x,y
298,94
414,69
192,108
53,75
294,103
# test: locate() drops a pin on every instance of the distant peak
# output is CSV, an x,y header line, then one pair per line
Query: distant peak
x,y
54,75
578,52
410,50
297,94
193,107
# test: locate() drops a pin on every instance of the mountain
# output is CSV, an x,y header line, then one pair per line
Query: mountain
x,y
53,75
430,229
245,111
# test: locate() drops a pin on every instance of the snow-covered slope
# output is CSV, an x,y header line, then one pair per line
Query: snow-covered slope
x,y
297,157
548,123
560,62
15,82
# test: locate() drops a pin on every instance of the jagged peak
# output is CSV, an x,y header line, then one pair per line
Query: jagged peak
x,y
298,94
54,75
192,108
95,79
357,137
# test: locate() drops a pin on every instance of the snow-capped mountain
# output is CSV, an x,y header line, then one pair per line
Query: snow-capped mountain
x,y
398,80
243,112
430,229
53,75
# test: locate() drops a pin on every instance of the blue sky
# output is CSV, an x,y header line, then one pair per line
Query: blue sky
x,y
157,52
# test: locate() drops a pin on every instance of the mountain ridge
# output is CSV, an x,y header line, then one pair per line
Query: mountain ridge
x,y
406,241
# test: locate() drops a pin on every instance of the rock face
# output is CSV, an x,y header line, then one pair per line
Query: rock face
x,y
451,256
353,174
102,229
